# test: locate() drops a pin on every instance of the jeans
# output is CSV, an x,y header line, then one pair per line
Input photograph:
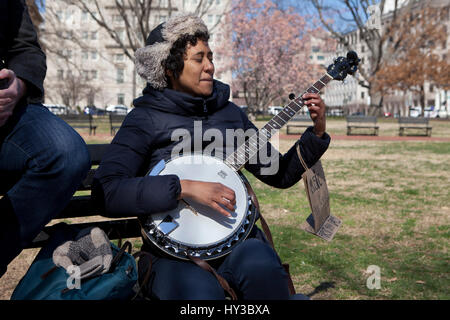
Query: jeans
x,y
42,162
252,269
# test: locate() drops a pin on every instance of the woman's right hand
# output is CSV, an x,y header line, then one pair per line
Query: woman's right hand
x,y
211,194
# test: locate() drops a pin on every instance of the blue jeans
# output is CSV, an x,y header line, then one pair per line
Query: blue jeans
x,y
42,162
252,269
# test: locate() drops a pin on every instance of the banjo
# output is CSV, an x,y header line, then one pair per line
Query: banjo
x,y
195,230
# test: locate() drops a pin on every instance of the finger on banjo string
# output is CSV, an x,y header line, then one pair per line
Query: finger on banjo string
x,y
221,210
226,203
228,194
313,102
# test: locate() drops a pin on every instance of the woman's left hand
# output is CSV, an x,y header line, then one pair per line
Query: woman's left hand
x,y
316,108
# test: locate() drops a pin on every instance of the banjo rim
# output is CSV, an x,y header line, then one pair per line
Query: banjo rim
x,y
215,250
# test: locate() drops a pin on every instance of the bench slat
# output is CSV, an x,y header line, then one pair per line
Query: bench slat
x,y
115,229
362,122
79,206
414,123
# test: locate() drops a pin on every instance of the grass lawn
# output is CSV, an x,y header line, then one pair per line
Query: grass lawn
x,y
393,199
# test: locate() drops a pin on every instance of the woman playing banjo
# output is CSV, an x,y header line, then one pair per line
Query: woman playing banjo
x,y
181,93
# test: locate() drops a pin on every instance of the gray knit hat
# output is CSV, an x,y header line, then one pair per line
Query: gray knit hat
x,y
149,60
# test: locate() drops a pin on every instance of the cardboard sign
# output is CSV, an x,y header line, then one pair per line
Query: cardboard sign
x,y
320,223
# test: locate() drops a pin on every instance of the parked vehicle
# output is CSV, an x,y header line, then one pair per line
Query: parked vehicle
x,y
244,108
415,112
56,108
443,114
430,113
274,110
336,112
93,110
117,109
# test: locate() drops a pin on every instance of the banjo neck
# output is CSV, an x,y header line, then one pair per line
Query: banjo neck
x,y
253,144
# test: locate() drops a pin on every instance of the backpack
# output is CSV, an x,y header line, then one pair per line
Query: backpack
x,y
45,281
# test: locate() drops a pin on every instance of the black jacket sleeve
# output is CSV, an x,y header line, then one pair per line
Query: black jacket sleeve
x,y
24,55
283,171
121,187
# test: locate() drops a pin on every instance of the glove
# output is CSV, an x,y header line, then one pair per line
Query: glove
x,y
90,251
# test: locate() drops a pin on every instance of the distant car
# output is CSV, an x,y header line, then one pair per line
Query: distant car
x,y
442,114
337,112
117,109
430,113
93,110
274,110
387,114
56,108
415,112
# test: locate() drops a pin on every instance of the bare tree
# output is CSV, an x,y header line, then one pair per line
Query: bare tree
x,y
417,60
355,14
72,89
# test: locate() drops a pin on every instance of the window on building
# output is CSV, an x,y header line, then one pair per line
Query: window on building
x,y
84,55
119,57
85,35
120,75
94,55
120,98
94,35
84,16
121,34
94,74
362,95
210,18
60,74
320,58
85,75
315,49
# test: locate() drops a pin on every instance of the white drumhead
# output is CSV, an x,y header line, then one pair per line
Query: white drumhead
x,y
209,226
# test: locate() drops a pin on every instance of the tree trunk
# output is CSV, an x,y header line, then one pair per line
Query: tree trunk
x,y
376,102
422,100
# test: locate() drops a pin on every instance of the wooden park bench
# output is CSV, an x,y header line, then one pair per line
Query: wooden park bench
x,y
362,122
82,206
299,121
115,121
81,121
415,124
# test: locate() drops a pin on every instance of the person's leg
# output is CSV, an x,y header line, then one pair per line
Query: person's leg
x,y
254,270
180,280
42,162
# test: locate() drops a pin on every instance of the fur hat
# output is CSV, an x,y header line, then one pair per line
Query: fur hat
x,y
149,60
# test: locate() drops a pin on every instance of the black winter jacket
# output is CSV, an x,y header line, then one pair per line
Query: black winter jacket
x,y
20,49
121,185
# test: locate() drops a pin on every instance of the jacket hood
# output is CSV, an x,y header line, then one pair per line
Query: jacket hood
x,y
176,102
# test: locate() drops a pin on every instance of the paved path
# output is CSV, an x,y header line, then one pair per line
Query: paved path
x,y
374,138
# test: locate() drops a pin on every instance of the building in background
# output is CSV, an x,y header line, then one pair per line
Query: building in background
x,y
354,98
87,64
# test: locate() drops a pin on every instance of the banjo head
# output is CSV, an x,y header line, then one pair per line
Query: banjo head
x,y
198,230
